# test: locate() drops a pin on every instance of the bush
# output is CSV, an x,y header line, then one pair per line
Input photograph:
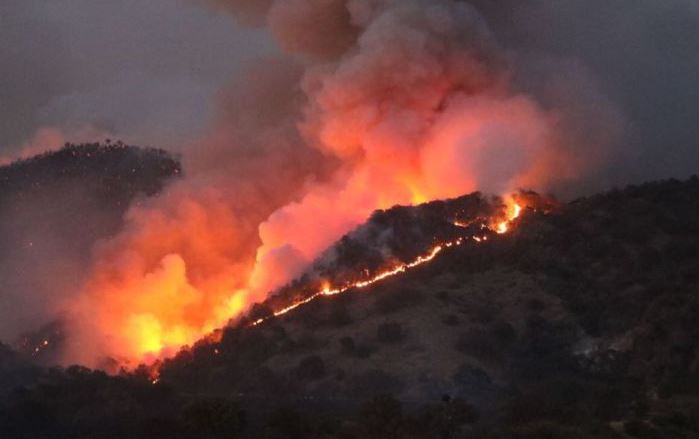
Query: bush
x,y
288,423
450,320
442,295
260,311
545,430
339,316
213,418
504,332
347,345
473,382
478,343
536,305
640,429
448,418
391,301
364,350
382,418
374,382
390,333
311,368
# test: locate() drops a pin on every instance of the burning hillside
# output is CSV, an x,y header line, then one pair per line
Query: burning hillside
x,y
397,240
406,102
359,215
580,321
390,243
371,104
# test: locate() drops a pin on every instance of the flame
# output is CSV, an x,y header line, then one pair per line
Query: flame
x,y
513,211
328,291
151,317
145,300
301,163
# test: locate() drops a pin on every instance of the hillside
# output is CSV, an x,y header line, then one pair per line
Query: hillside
x,y
580,322
53,209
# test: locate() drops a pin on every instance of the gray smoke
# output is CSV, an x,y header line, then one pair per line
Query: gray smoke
x,y
643,56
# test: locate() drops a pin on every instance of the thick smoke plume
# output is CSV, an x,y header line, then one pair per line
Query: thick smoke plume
x,y
376,103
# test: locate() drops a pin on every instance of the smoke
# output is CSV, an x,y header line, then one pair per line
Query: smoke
x,y
377,103
640,54
52,211
422,105
180,267
372,103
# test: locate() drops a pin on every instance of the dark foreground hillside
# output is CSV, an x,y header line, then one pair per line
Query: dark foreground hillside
x,y
582,322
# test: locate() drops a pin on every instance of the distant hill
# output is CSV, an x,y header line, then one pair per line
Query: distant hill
x,y
115,172
581,322
53,209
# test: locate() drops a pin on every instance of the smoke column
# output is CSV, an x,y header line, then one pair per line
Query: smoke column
x,y
374,103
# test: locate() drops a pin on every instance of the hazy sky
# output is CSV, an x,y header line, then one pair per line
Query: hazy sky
x,y
143,70
644,57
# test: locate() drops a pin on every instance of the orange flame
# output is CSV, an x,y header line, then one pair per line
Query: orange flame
x,y
151,316
513,211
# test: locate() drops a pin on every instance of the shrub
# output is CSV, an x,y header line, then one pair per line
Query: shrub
x,y
442,295
288,423
310,368
339,316
364,350
504,332
536,305
640,429
450,320
478,343
260,311
392,301
544,430
347,345
213,418
390,333
472,381
374,382
382,418
448,418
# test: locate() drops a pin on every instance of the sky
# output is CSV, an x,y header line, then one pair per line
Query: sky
x,y
144,71
148,71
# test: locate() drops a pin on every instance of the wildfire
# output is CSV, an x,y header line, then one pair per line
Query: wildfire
x,y
328,291
152,317
347,140
513,211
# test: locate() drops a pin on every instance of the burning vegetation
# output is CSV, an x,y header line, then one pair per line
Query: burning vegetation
x,y
374,104
578,322
392,242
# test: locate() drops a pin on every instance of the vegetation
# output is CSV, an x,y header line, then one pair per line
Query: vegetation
x,y
580,323
116,172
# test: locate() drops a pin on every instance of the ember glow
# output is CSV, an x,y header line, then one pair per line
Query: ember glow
x,y
412,101
513,211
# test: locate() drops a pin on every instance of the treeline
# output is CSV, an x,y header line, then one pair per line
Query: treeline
x,y
117,172
581,323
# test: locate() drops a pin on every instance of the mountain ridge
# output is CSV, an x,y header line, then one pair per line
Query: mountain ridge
x,y
579,322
